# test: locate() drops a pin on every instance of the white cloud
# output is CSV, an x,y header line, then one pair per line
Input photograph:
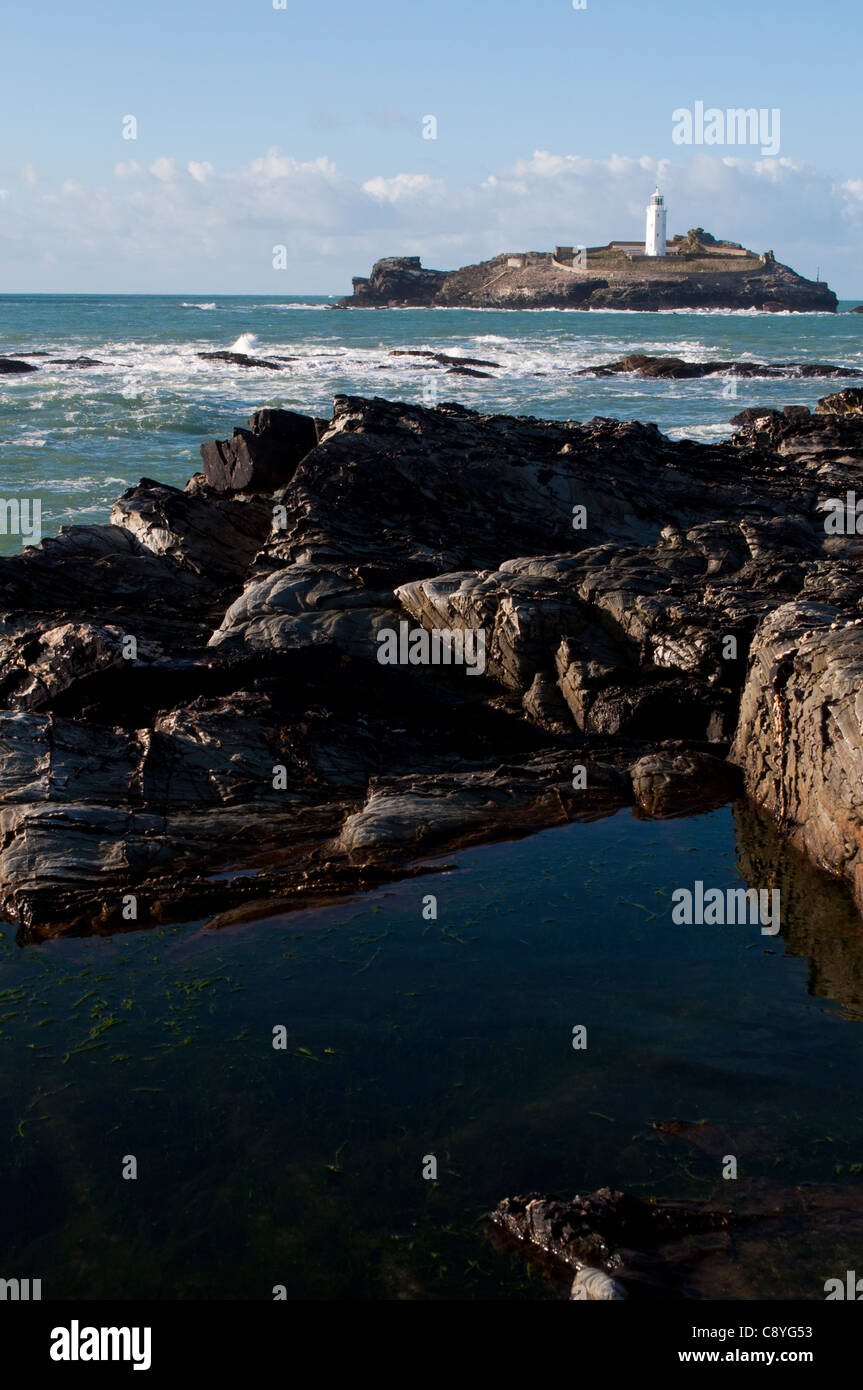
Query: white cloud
x,y
164,169
405,187
28,174
283,166
172,226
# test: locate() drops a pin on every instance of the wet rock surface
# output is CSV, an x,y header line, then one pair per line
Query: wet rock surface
x,y
609,1230
759,1246
193,708
677,369
262,457
240,359
11,366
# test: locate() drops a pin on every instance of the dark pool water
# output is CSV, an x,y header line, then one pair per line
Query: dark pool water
x,y
303,1167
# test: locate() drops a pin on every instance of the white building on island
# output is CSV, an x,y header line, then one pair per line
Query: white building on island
x,y
654,236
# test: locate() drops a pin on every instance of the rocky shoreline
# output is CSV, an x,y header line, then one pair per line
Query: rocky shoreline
x,y
608,280
195,719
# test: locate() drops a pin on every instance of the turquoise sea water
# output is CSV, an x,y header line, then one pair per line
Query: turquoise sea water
x,y
408,1038
77,437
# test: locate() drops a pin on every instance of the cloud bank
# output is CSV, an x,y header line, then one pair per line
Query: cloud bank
x,y
169,227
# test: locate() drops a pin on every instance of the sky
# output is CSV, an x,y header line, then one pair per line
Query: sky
x,y
304,124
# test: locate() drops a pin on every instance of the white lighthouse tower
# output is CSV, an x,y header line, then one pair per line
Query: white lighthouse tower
x,y
654,235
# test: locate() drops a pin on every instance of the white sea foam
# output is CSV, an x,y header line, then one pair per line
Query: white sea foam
x,y
82,483
701,432
149,405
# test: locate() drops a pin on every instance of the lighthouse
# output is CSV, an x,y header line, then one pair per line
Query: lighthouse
x,y
654,234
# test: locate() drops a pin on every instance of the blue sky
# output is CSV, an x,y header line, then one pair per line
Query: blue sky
x,y
301,126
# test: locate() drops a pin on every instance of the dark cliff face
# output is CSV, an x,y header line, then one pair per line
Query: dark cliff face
x,y
397,280
539,282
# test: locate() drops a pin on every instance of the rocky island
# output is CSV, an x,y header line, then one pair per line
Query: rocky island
x,y
195,718
697,272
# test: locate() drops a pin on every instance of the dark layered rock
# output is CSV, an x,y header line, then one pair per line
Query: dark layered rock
x,y
397,280
848,402
601,1228
829,435
11,366
536,280
262,457
241,359
193,709
210,536
677,369
443,358
800,738
696,1248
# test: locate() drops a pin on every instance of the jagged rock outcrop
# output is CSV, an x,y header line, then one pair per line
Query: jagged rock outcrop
x,y
399,280
195,708
800,737
847,402
264,456
216,537
608,280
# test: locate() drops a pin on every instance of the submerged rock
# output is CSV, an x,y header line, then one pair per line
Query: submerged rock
x,y
622,1247
75,362
612,1239
676,369
9,366
241,359
444,358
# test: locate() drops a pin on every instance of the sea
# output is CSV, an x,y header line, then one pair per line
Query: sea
x,y
305,1170
76,437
